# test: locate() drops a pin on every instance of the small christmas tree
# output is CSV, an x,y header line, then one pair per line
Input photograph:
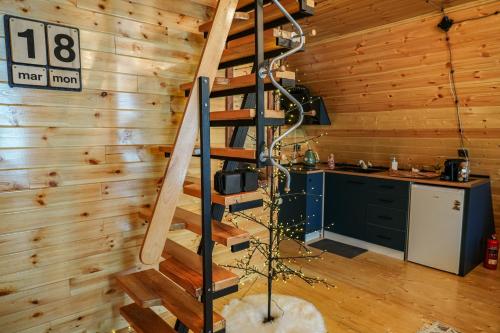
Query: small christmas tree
x,y
276,266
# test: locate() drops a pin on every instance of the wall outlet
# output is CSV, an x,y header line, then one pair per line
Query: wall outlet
x,y
462,152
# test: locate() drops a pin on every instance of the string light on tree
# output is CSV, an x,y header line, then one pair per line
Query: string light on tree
x,y
276,266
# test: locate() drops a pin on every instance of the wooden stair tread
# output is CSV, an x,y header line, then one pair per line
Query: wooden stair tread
x,y
144,320
244,114
244,47
241,81
244,3
224,152
185,268
222,233
224,200
150,288
271,13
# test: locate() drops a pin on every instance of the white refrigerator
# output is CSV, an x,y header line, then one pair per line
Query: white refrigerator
x,y
435,232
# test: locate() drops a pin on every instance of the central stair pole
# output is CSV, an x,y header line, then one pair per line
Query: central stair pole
x,y
206,203
260,143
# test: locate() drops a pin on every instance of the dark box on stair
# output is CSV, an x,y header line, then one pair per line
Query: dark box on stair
x,y
232,182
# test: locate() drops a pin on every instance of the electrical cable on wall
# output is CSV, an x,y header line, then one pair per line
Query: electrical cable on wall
x,y
445,25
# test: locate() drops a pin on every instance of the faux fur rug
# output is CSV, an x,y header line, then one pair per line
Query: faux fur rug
x,y
438,328
292,315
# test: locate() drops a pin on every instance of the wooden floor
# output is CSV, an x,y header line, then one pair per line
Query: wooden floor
x,y
376,293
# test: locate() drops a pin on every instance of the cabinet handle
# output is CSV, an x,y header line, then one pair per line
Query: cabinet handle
x,y
389,187
355,182
384,217
384,237
386,200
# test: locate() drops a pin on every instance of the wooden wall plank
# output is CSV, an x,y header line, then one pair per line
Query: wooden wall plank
x,y
96,41
124,64
61,308
14,180
95,319
31,199
87,98
85,19
52,177
142,13
120,154
67,137
66,233
109,81
63,214
177,53
95,266
69,117
32,298
45,157
131,188
191,8
21,261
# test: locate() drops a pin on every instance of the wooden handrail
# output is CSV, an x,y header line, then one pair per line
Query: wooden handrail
x,y
178,164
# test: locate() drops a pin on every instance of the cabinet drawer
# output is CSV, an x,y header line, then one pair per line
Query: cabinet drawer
x,y
387,217
390,186
359,181
389,199
390,238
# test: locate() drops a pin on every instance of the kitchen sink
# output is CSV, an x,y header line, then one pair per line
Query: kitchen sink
x,y
357,169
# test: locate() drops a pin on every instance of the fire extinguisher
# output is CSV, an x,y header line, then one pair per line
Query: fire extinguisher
x,y
491,258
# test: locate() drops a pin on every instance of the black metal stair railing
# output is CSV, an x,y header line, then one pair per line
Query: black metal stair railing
x,y
206,201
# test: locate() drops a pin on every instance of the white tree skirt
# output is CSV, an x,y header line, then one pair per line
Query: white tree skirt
x,y
292,315
437,327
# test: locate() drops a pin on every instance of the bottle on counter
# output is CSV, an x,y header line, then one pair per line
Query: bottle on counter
x,y
394,164
331,161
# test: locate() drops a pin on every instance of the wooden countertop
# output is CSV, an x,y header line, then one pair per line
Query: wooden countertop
x,y
474,181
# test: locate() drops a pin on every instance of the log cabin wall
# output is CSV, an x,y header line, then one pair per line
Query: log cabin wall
x,y
387,89
75,167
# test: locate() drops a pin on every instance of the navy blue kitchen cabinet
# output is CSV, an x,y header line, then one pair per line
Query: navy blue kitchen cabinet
x,y
345,204
301,211
367,208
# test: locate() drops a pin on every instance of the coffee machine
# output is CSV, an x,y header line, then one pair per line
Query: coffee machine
x,y
456,170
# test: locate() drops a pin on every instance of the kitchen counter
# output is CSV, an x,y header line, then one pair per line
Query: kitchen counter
x,y
373,210
473,182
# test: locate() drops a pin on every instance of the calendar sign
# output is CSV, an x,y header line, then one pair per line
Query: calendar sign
x,y
42,55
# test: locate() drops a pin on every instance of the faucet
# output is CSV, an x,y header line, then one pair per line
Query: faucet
x,y
364,165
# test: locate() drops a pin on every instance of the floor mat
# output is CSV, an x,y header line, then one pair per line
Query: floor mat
x,y
344,250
